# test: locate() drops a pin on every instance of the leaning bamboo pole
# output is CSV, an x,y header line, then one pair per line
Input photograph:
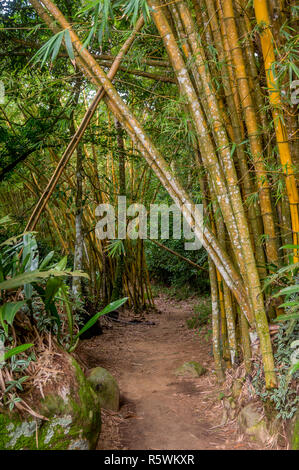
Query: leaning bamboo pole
x,y
206,145
206,148
247,259
88,65
80,130
53,220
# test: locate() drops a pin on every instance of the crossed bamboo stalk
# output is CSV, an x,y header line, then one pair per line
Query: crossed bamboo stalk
x,y
250,300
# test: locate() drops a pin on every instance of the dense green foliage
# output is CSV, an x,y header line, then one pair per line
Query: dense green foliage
x,y
172,271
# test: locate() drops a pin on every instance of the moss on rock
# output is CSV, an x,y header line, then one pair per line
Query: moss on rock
x,y
295,433
192,368
237,388
106,387
74,419
253,423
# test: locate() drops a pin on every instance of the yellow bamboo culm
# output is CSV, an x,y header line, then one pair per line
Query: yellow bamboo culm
x,y
263,20
227,14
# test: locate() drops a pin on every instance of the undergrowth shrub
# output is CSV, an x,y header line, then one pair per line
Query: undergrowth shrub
x,y
285,397
201,314
173,272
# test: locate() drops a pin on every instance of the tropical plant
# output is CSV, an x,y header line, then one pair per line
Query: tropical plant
x,y
43,281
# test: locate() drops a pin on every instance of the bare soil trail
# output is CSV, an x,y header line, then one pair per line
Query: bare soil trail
x,y
159,410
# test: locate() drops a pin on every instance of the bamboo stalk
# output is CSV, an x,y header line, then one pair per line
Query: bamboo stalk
x,y
252,278
263,21
238,138
215,323
80,130
224,335
252,128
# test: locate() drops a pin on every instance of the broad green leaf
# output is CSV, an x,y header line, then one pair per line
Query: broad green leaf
x,y
3,324
9,310
24,263
23,279
77,273
68,312
30,248
288,290
46,260
35,276
52,287
287,317
109,308
54,313
14,351
61,265
29,253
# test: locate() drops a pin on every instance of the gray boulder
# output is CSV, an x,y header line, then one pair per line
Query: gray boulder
x,y
253,423
106,387
190,369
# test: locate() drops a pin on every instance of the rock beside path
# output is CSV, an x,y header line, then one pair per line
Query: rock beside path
x,y
190,369
106,387
73,413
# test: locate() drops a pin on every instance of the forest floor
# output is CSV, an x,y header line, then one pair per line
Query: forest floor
x,y
160,411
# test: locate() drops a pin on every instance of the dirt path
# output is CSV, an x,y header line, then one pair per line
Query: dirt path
x,y
159,410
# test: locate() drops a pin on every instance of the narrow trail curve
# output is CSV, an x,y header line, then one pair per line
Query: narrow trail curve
x,y
160,411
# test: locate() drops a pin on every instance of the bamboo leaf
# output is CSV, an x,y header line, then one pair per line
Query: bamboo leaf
x,y
35,276
294,368
43,53
289,247
294,303
69,45
56,47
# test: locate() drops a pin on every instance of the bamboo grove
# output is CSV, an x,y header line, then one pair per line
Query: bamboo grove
x,y
224,60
